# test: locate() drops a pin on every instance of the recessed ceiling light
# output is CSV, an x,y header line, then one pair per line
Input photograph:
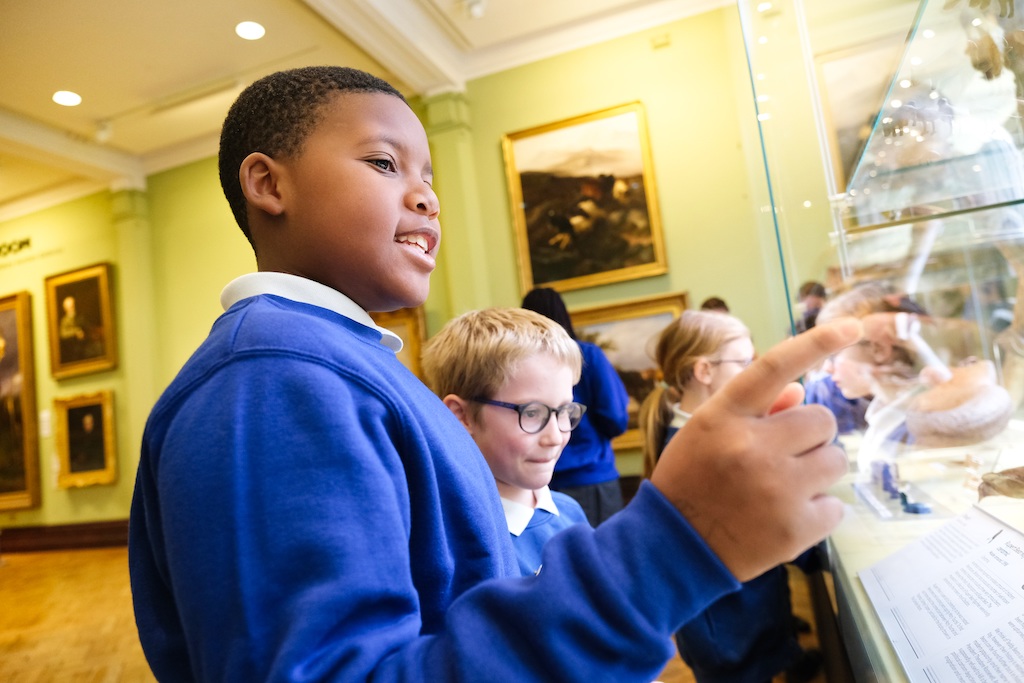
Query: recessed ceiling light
x,y
250,30
67,98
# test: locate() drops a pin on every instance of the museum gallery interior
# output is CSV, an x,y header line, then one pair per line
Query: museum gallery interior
x,y
637,156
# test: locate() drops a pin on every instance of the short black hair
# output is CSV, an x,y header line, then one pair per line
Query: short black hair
x,y
714,303
549,303
276,114
812,288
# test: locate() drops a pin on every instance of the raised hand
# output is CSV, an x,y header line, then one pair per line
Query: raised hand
x,y
751,468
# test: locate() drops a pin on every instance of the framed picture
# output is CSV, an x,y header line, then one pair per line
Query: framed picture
x,y
81,322
852,83
86,440
410,325
584,205
19,454
627,333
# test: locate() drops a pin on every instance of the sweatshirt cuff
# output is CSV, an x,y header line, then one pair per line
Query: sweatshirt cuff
x,y
659,545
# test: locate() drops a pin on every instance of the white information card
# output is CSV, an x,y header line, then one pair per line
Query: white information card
x,y
952,602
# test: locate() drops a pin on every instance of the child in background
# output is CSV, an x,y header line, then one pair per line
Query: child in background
x,y
586,471
306,509
810,298
747,636
507,374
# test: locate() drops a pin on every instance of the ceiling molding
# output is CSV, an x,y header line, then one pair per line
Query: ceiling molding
x,y
419,48
43,144
44,199
400,35
484,62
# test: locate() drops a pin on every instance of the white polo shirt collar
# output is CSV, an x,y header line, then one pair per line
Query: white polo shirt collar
x,y
518,516
304,291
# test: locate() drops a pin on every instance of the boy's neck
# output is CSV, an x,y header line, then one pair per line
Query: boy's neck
x,y
517,495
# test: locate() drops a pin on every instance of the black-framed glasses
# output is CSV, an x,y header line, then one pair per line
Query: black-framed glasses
x,y
742,362
534,416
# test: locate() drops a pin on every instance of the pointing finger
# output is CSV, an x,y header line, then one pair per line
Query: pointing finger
x,y
755,390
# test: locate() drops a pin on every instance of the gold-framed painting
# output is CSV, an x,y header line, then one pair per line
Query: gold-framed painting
x,y
80,314
627,332
411,327
86,439
852,84
584,200
19,439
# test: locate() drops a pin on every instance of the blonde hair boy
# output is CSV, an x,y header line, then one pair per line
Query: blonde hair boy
x,y
505,373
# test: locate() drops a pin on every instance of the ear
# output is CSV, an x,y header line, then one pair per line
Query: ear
x,y
702,371
259,176
460,409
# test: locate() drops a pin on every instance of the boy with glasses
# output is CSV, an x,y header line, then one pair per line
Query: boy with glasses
x,y
507,374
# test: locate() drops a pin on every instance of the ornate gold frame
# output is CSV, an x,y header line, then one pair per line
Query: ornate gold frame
x,y
18,404
409,324
591,324
97,342
590,216
76,470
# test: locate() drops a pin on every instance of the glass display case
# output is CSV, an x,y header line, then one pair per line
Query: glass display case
x,y
923,177
891,136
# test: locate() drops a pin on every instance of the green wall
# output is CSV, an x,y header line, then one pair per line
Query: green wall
x,y
700,162
64,238
198,249
175,245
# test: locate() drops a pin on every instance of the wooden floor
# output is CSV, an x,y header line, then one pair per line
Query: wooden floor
x,y
67,616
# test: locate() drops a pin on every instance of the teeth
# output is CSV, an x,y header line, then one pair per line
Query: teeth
x,y
419,240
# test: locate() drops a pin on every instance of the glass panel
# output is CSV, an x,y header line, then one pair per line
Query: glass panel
x,y
904,119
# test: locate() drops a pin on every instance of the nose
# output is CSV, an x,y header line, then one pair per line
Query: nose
x,y
423,199
551,435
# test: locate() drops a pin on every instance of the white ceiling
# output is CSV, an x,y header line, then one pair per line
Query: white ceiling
x,y
156,78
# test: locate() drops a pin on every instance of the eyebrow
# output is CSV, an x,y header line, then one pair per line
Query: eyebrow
x,y
392,142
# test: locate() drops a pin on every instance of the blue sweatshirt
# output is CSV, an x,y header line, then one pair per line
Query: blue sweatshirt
x,y
532,528
306,510
588,458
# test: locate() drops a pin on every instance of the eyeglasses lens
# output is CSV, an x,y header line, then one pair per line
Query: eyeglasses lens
x,y
533,417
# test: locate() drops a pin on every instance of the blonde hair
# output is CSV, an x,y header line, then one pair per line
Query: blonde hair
x,y
476,354
694,335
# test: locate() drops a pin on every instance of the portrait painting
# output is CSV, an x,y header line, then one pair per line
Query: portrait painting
x,y
627,332
584,204
19,455
81,322
86,439
410,326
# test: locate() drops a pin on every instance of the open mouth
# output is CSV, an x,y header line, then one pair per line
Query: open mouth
x,y
423,241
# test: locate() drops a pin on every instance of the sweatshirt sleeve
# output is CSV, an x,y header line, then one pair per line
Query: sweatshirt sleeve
x,y
265,548
603,607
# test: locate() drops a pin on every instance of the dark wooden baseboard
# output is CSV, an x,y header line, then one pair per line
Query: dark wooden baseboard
x,y
30,539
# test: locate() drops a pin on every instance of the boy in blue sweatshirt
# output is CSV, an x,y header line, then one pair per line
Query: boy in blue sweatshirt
x,y
305,509
508,374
